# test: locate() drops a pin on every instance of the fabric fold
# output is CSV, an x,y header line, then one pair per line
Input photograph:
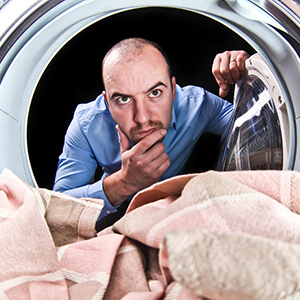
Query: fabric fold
x,y
215,235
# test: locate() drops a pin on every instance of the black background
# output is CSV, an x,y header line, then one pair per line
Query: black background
x,y
74,76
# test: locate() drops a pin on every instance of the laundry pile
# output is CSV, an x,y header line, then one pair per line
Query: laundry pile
x,y
231,235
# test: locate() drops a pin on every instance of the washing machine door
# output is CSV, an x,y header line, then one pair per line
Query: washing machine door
x,y
257,137
32,32
264,129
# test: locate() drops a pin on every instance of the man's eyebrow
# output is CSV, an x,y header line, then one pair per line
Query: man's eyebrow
x,y
117,95
155,86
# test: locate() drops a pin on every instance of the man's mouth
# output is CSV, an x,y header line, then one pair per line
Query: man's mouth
x,y
146,132
139,132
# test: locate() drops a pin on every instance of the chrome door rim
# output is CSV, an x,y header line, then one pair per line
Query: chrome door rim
x,y
25,62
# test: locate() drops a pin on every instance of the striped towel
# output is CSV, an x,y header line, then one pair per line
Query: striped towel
x,y
231,235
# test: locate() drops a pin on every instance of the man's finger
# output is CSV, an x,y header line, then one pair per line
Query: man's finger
x,y
224,92
149,141
241,58
225,64
124,142
164,164
221,81
234,70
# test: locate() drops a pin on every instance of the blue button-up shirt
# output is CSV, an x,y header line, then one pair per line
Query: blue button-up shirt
x,y
92,139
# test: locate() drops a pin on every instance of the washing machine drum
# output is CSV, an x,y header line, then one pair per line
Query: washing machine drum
x,y
266,119
257,135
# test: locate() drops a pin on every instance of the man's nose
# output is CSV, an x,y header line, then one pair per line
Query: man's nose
x,y
142,112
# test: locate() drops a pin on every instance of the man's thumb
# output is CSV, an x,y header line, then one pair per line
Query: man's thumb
x,y
124,142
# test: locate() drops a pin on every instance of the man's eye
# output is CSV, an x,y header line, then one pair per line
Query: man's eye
x,y
155,93
123,100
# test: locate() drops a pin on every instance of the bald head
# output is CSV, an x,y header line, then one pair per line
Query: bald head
x,y
130,49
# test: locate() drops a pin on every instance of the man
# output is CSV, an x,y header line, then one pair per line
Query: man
x,y
143,127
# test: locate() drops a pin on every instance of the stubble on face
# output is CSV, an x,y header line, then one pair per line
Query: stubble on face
x,y
134,132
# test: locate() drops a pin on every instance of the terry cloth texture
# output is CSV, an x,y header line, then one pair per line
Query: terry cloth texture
x,y
231,235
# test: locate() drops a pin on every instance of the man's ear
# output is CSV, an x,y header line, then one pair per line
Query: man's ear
x,y
174,87
105,98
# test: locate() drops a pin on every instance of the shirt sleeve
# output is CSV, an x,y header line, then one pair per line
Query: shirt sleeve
x,y
76,168
218,112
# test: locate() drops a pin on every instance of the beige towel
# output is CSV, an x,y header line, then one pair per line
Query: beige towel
x,y
232,235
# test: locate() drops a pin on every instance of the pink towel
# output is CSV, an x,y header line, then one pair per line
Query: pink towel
x,y
232,235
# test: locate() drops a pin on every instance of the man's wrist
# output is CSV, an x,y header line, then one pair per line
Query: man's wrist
x,y
115,189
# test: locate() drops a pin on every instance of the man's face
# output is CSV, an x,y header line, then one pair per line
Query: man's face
x,y
139,92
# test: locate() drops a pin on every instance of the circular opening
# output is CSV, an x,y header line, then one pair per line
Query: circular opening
x,y
74,75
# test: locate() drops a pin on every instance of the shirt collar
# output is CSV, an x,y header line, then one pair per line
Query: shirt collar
x,y
173,121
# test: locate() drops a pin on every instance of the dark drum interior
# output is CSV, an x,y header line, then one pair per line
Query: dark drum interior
x,y
191,41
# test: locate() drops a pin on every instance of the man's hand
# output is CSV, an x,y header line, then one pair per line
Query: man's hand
x,y
142,165
228,67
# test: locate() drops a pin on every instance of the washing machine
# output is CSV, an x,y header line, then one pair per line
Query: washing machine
x,y
264,130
